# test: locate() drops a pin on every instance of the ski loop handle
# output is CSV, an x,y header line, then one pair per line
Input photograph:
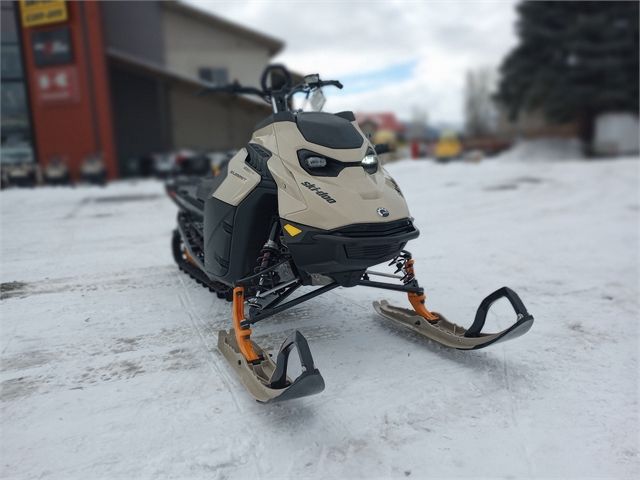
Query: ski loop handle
x,y
481,314
297,340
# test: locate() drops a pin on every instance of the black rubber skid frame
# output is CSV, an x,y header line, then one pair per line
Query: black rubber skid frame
x,y
481,314
309,382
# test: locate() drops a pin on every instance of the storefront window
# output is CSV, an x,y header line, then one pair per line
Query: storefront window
x,y
14,121
11,62
15,115
216,76
9,31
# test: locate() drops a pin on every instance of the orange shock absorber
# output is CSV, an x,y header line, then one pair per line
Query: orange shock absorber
x,y
417,300
189,258
242,334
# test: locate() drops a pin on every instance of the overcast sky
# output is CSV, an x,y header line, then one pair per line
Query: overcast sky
x,y
390,55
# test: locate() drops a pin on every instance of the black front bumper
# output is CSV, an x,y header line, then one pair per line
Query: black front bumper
x,y
345,253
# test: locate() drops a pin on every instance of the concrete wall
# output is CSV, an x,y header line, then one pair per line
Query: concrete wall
x,y
211,123
191,44
134,28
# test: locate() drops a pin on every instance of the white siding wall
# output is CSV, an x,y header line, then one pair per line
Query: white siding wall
x,y
191,44
211,123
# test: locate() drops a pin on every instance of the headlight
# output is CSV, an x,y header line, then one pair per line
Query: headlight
x,y
315,162
370,162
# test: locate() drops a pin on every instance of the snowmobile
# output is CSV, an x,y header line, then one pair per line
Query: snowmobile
x,y
93,170
305,204
56,172
17,164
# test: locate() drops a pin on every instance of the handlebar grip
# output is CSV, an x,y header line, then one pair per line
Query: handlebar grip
x,y
334,83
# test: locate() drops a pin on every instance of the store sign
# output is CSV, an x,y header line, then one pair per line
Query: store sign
x,y
42,12
51,47
57,85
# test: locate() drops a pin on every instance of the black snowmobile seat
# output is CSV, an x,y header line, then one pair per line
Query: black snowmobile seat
x,y
209,184
328,130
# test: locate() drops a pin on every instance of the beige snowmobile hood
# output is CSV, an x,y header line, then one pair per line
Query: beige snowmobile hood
x,y
354,196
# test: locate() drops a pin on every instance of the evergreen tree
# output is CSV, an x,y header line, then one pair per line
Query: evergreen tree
x,y
574,60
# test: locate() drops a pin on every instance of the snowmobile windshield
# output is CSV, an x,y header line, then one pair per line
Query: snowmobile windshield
x,y
328,130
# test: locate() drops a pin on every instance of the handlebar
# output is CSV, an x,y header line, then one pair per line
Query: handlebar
x,y
278,98
330,83
234,89
307,87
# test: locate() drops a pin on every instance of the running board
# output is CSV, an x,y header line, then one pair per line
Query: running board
x,y
267,381
451,335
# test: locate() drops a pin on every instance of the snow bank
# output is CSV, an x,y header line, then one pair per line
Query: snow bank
x,y
543,149
616,134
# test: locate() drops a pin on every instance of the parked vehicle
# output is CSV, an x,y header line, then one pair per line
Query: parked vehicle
x,y
163,164
189,162
56,172
448,147
17,164
308,198
142,166
93,170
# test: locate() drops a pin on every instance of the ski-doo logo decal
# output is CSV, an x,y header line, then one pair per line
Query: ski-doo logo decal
x,y
237,175
320,193
383,212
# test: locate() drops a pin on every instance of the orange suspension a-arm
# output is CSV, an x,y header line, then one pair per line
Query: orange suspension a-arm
x,y
242,334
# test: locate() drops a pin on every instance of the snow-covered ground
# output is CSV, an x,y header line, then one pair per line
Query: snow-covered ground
x,y
109,366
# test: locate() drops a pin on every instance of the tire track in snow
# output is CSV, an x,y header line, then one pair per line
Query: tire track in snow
x,y
351,301
513,413
185,301
197,322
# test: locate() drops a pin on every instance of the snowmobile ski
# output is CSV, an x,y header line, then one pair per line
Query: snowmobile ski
x,y
446,333
266,380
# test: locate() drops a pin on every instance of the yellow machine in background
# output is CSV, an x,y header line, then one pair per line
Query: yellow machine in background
x,y
389,138
448,147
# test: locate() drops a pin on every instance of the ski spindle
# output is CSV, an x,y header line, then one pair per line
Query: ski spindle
x,y
243,334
